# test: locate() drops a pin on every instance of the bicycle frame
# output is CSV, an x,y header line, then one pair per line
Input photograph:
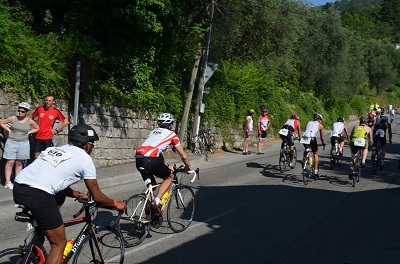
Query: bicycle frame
x,y
35,244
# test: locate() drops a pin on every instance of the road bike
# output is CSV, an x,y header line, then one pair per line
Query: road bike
x,y
94,244
308,165
376,156
359,144
336,154
203,143
140,215
284,157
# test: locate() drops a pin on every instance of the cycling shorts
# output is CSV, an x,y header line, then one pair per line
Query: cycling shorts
x,y
313,145
263,134
381,140
336,139
41,204
289,139
42,144
354,149
153,167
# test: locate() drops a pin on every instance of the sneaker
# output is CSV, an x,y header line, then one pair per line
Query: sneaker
x,y
156,208
362,164
260,152
244,153
9,185
291,164
145,219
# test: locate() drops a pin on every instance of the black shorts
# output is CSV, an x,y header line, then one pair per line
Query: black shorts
x,y
336,139
153,167
263,134
42,144
41,204
381,140
289,139
354,149
313,145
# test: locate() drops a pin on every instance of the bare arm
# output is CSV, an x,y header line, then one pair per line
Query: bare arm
x,y
35,127
184,157
101,198
61,126
4,122
321,133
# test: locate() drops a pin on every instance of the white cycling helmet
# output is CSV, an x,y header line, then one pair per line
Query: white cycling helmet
x,y
165,120
24,105
318,116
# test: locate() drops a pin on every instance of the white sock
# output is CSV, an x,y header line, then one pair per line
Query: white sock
x,y
157,200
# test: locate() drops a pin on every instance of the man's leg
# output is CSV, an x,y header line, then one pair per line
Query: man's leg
x,y
57,242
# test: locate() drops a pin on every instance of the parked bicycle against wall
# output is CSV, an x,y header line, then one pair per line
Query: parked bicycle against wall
x,y
203,143
178,203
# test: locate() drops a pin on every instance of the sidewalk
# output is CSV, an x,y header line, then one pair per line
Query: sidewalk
x,y
115,175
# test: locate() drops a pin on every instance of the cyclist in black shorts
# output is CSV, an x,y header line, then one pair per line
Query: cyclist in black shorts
x,y
292,125
42,186
149,158
379,134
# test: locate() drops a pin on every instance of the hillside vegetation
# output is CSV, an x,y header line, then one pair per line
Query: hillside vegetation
x,y
281,54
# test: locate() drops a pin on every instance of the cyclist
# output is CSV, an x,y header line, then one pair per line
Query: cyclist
x,y
292,124
42,186
150,161
311,131
339,130
360,131
263,124
247,129
379,134
371,118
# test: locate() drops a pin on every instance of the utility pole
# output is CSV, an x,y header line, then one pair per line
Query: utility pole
x,y
199,101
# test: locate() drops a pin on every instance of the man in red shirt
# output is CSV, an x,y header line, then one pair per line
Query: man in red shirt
x,y
47,115
263,124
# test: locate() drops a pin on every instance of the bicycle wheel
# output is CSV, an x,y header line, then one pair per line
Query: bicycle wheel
x,y
16,255
282,161
374,160
133,231
379,161
294,160
180,210
306,171
107,248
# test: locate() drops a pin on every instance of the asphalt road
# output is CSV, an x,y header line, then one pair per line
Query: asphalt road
x,y
248,212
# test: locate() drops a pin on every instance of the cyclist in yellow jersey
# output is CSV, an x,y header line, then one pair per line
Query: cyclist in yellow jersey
x,y
360,131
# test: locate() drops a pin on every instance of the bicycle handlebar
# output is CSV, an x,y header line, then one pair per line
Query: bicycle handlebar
x,y
182,169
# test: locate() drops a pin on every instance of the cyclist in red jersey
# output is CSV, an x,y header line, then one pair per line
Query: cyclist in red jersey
x,y
47,115
263,124
149,159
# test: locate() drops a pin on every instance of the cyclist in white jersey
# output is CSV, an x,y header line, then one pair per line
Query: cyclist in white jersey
x,y
312,128
339,130
149,159
42,186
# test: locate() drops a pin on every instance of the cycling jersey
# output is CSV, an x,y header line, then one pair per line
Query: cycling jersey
x,y
311,129
291,125
263,122
338,127
156,143
57,168
359,132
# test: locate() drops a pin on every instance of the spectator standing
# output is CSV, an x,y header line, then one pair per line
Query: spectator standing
x,y
247,129
47,115
16,150
263,124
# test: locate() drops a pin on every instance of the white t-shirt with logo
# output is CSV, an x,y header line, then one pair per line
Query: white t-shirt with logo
x,y
57,168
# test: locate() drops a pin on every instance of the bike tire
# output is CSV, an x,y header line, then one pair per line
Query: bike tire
x,y
294,161
181,208
133,231
380,160
374,163
107,248
306,172
282,162
15,255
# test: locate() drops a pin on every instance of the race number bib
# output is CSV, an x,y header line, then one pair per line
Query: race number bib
x,y
305,140
335,134
359,142
55,155
283,132
380,133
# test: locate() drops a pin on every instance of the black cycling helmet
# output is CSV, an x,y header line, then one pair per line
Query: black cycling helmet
x,y
81,134
318,116
363,120
384,119
340,119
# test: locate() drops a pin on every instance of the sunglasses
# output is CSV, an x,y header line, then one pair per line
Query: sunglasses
x,y
21,111
92,143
